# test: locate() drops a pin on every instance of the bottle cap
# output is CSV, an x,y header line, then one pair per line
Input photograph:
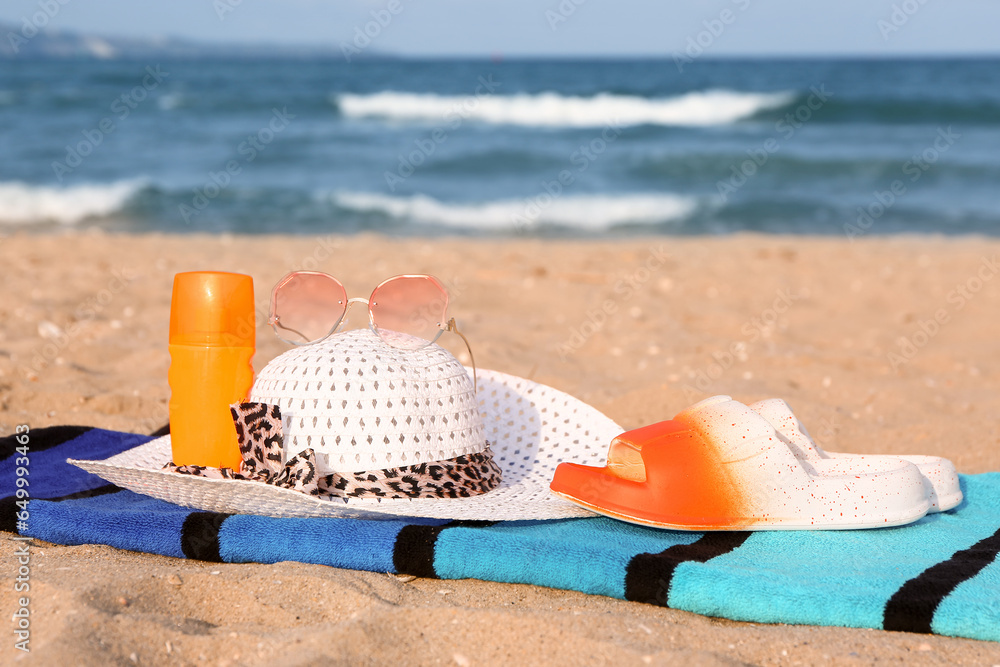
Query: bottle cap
x,y
212,308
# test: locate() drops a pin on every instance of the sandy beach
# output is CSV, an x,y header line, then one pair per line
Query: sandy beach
x,y
881,345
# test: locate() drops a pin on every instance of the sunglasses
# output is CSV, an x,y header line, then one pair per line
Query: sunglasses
x,y
407,312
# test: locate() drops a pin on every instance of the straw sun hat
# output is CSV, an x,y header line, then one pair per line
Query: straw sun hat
x,y
362,406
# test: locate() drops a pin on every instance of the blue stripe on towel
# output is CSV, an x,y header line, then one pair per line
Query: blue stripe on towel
x,y
124,520
587,555
49,474
347,543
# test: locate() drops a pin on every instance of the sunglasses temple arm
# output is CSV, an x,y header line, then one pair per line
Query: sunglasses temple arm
x,y
277,323
453,327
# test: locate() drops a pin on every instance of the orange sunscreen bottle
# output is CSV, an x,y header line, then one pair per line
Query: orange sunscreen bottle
x,y
212,340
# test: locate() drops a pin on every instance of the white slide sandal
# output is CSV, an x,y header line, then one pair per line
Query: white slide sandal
x,y
944,491
720,466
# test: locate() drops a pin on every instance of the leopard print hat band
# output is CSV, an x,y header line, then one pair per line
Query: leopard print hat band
x,y
259,431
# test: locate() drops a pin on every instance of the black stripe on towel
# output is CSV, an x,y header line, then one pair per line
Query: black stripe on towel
x,y
200,535
40,439
8,514
413,552
89,493
9,507
648,576
912,607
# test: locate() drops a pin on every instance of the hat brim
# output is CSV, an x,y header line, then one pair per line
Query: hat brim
x,y
531,427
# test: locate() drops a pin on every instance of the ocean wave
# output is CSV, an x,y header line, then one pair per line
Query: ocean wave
x,y
709,107
171,101
22,203
584,212
981,111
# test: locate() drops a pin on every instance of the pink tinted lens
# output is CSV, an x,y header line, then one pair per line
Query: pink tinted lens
x,y
307,306
409,305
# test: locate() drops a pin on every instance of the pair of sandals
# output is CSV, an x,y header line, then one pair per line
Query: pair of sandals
x,y
723,465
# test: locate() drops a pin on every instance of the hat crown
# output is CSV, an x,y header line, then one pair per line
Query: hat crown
x,y
362,405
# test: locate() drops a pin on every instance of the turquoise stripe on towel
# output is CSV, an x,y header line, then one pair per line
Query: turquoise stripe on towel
x,y
842,578
587,555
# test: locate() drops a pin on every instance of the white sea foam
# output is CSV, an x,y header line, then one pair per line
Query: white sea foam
x,y
591,212
170,101
709,107
21,203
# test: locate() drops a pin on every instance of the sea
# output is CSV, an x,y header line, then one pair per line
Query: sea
x,y
501,147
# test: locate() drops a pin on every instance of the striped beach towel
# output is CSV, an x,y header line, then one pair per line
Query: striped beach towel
x,y
940,575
